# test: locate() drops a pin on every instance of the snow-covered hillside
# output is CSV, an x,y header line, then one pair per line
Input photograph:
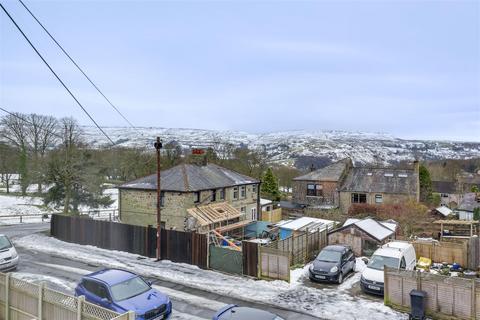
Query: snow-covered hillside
x,y
289,146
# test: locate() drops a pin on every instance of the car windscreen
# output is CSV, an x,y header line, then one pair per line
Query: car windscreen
x,y
329,256
378,262
129,288
4,243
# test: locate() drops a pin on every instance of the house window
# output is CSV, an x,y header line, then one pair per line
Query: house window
x,y
162,199
254,188
243,192
314,190
378,198
222,194
359,198
243,209
214,196
254,214
235,193
196,197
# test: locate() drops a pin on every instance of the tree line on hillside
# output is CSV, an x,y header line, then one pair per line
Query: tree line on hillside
x,y
52,155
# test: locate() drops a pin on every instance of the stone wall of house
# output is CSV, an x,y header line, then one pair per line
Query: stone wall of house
x,y
387,198
138,207
330,194
247,203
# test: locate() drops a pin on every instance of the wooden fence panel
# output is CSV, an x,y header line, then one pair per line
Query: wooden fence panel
x,y
177,246
274,264
448,251
250,258
451,297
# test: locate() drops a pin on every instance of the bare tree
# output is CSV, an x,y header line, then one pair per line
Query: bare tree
x,y
8,160
15,131
41,132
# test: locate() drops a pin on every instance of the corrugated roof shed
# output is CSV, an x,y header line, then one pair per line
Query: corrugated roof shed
x,y
378,230
307,222
445,211
331,172
382,180
191,177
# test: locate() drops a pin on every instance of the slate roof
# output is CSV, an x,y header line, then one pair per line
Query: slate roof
x,y
191,177
331,172
444,187
381,180
469,202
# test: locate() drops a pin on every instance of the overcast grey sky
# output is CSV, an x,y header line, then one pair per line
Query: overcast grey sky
x,y
409,68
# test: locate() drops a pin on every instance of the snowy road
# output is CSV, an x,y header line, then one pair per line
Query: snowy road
x,y
196,292
62,272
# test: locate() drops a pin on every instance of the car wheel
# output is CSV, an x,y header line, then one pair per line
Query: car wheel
x,y
340,278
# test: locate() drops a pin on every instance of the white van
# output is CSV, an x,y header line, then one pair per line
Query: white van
x,y
8,254
396,254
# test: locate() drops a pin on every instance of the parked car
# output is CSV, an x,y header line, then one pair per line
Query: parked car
x,y
234,312
332,264
8,254
123,291
396,254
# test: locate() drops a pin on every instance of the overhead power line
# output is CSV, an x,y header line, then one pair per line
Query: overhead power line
x,y
76,65
55,74
16,115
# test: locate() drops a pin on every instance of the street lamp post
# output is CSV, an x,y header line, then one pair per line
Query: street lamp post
x,y
158,146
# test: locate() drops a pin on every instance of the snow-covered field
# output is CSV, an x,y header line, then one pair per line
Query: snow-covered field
x,y
328,302
32,210
13,206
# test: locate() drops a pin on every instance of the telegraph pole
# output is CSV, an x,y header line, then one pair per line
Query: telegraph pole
x,y
158,146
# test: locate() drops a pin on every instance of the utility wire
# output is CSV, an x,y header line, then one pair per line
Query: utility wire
x,y
76,65
55,74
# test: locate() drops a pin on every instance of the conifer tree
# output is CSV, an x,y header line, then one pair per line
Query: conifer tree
x,y
270,185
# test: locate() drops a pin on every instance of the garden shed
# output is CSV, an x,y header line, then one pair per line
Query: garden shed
x,y
363,236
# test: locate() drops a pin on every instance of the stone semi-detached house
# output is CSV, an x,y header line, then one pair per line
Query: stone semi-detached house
x,y
380,185
202,188
340,185
320,187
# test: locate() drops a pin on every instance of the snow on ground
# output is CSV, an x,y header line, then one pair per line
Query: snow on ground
x,y
38,278
30,208
14,206
328,302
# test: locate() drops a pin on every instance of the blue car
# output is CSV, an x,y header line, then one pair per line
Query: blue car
x,y
234,312
123,291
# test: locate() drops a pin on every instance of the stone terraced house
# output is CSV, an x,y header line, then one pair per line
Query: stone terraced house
x,y
340,185
194,197
319,188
